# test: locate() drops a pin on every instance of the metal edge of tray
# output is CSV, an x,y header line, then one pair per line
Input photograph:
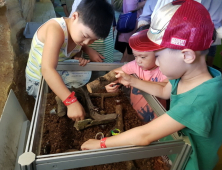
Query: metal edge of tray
x,y
157,108
182,158
34,114
93,66
109,155
36,120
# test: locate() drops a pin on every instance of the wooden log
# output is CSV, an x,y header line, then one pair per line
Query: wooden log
x,y
130,165
82,124
119,120
94,111
101,82
119,125
61,108
103,95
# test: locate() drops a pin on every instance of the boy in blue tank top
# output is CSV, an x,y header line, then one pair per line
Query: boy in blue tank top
x,y
60,39
180,35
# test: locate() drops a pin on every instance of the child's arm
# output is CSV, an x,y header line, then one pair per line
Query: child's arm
x,y
93,54
142,135
159,89
65,10
53,40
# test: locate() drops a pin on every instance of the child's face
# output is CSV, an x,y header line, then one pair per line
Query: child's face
x,y
170,63
80,33
146,60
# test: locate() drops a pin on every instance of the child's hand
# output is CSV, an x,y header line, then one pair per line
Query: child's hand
x,y
91,144
112,88
123,78
95,56
75,111
82,61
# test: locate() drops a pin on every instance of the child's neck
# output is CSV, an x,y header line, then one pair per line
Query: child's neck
x,y
153,68
193,78
71,43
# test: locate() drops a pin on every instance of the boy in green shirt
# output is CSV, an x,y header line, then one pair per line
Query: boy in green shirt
x,y
180,34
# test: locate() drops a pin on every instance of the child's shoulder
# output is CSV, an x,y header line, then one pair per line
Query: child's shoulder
x,y
51,28
55,22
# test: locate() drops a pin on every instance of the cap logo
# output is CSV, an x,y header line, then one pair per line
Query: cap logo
x,y
178,41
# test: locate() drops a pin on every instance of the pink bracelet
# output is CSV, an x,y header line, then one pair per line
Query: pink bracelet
x,y
102,142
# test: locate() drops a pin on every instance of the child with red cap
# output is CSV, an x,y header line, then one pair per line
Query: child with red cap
x,y
180,34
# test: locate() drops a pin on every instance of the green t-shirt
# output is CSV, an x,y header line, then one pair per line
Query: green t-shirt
x,y
200,110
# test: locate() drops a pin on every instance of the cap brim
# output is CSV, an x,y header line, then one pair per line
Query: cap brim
x,y
140,42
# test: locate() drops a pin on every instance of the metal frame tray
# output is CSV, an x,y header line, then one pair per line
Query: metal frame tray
x,y
31,159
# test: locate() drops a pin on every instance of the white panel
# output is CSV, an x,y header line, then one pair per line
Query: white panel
x,y
10,127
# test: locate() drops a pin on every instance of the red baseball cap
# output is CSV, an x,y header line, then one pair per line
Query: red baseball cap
x,y
140,42
182,24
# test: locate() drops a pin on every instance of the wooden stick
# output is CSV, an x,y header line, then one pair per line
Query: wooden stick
x,y
82,124
61,108
95,117
119,125
119,121
101,82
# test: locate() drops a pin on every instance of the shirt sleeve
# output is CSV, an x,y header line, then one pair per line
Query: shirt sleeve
x,y
147,11
129,5
129,68
214,8
197,119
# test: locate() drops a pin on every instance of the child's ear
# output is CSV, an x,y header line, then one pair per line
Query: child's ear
x,y
75,15
189,56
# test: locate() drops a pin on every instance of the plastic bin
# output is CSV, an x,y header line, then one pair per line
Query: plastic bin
x,y
30,29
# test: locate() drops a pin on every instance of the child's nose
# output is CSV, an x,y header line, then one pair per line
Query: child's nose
x,y
138,61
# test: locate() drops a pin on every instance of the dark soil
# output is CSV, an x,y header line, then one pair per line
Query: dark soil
x,y
59,135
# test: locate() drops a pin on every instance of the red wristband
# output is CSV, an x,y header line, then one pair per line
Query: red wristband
x,y
70,99
102,142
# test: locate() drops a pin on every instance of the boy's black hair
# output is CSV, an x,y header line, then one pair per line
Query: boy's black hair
x,y
144,27
97,15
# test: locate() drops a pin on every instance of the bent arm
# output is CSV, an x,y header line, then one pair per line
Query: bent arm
x,y
144,135
53,42
65,10
158,89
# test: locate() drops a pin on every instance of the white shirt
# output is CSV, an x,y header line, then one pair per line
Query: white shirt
x,y
74,6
